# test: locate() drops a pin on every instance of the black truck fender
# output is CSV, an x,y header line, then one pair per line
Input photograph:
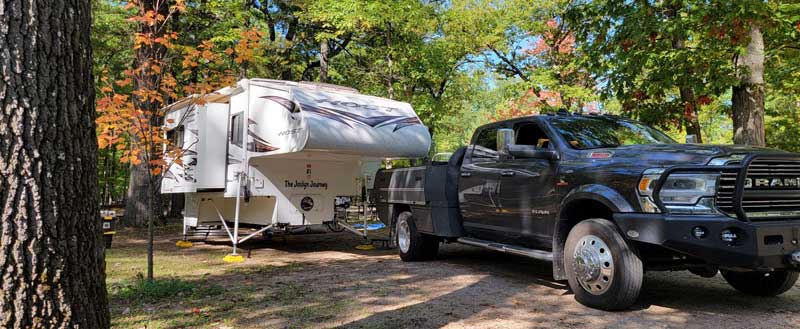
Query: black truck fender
x,y
583,202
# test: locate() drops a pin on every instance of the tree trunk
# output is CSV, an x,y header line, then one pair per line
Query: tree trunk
x,y
748,96
51,251
137,201
176,205
137,209
323,61
691,116
150,234
389,64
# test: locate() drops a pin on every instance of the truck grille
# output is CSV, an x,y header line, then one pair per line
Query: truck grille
x,y
726,190
772,190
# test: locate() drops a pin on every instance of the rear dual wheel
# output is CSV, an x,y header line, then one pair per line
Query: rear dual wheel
x,y
413,245
603,271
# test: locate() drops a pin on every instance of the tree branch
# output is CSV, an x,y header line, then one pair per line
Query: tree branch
x,y
512,67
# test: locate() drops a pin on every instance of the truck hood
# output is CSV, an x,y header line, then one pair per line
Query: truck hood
x,y
663,155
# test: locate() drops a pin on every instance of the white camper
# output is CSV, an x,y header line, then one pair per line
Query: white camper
x,y
270,153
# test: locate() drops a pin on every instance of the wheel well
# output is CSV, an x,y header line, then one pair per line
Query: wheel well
x,y
397,209
578,210
573,213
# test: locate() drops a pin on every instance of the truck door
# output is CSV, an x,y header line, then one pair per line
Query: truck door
x,y
478,184
528,194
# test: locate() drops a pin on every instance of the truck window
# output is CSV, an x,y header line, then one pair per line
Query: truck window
x,y
486,144
531,134
597,132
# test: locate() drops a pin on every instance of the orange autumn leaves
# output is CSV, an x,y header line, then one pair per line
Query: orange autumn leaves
x,y
129,109
548,47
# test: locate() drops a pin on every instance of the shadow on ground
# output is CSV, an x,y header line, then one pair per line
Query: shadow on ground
x,y
322,281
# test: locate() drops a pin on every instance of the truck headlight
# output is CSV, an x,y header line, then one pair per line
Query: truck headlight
x,y
682,193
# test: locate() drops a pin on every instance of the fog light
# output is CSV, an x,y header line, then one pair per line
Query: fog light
x,y
729,236
699,232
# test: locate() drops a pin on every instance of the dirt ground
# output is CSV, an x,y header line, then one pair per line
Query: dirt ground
x,y
320,281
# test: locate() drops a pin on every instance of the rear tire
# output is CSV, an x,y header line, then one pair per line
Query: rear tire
x,y
766,284
413,245
603,271
107,238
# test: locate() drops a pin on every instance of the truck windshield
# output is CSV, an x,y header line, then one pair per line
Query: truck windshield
x,y
598,132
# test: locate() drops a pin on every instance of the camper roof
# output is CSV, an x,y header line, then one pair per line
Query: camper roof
x,y
220,96
311,85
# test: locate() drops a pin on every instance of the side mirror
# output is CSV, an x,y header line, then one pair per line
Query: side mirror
x,y
531,152
691,139
505,137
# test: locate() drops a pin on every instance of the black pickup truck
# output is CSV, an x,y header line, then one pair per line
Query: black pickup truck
x,y
605,199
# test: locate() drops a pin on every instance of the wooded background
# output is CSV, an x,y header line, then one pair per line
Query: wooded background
x,y
724,71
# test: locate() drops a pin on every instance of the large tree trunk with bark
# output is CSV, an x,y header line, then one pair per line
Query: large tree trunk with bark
x,y
140,196
748,96
51,252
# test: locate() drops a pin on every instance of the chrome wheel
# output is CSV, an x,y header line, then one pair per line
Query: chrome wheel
x,y
593,264
403,235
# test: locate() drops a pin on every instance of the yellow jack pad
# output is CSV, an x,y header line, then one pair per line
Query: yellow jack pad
x,y
233,259
183,244
365,247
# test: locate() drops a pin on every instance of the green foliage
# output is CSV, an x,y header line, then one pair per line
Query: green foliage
x,y
665,60
112,38
112,43
783,116
462,63
141,290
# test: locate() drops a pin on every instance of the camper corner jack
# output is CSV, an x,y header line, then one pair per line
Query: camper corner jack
x,y
233,258
234,237
353,229
183,244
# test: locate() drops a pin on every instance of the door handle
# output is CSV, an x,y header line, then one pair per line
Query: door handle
x,y
466,174
507,173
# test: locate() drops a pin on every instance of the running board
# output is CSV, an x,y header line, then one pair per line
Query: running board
x,y
506,248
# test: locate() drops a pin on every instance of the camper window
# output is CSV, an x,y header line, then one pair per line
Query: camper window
x,y
237,124
175,136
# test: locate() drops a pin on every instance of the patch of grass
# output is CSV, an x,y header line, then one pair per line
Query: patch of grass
x,y
143,291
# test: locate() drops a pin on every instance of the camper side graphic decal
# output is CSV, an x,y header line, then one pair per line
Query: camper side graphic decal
x,y
286,103
258,144
347,118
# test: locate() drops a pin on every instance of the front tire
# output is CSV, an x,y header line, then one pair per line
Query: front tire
x,y
603,271
766,284
413,245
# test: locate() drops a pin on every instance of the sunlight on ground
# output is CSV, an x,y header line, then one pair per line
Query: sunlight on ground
x,y
322,281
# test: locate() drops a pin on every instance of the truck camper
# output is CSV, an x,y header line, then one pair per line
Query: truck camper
x,y
271,154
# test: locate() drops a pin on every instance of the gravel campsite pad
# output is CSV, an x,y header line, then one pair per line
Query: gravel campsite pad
x,y
321,280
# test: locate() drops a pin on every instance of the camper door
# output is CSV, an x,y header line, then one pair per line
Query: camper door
x,y
212,148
